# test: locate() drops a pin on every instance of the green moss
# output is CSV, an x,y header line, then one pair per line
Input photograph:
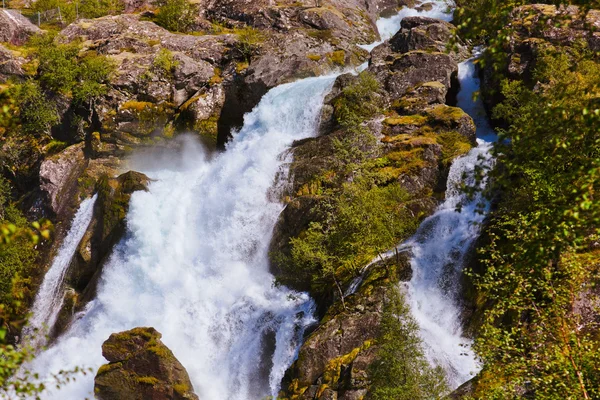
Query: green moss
x,y
446,115
325,35
337,57
181,388
313,57
453,145
406,120
148,380
108,367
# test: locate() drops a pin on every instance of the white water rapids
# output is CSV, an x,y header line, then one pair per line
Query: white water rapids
x,y
441,244
194,264
194,261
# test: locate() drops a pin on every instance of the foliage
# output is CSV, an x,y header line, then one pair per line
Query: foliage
x,y
100,8
164,63
249,40
176,15
61,70
357,224
538,263
70,10
36,114
401,371
357,219
17,258
93,75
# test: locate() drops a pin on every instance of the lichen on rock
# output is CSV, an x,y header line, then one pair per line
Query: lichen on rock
x,y
141,367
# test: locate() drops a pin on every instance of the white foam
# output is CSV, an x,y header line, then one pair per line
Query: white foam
x,y
194,264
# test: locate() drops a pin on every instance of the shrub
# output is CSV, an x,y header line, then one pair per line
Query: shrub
x,y
401,371
36,113
248,42
176,15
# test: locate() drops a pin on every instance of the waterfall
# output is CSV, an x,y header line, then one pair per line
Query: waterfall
x,y
441,244
49,298
194,262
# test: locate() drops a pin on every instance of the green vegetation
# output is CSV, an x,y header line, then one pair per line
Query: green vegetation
x,y
61,70
249,40
17,258
176,15
539,265
358,217
70,10
37,115
164,63
401,371
359,223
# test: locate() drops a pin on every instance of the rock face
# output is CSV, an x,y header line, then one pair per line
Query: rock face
x,y
10,65
418,136
428,34
334,361
15,28
58,177
141,367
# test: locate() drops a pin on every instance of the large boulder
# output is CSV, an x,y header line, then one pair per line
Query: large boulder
x,y
58,177
334,360
15,28
428,34
141,367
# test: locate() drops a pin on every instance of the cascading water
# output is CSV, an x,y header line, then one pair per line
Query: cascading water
x,y
194,261
441,244
194,264
49,298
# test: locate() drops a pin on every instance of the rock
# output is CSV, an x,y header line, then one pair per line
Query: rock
x,y
11,66
58,177
428,34
15,28
336,357
141,367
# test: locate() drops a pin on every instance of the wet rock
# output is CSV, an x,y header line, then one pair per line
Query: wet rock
x,y
15,28
58,177
141,367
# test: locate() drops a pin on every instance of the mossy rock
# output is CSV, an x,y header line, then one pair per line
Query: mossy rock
x,y
141,367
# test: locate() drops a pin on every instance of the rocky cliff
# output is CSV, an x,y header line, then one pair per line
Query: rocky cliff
x,y
409,141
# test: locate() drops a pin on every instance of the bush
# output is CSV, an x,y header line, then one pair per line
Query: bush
x,y
176,15
36,113
401,371
248,42
357,225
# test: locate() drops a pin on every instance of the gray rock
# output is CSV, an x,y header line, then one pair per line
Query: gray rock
x,y
58,176
15,28
10,65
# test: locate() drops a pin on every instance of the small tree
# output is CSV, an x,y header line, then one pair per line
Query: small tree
x,y
401,371
176,15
